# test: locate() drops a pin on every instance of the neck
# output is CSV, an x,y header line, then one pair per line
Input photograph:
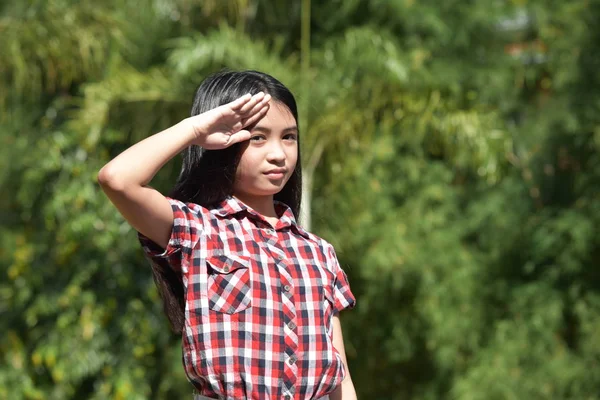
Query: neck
x,y
261,204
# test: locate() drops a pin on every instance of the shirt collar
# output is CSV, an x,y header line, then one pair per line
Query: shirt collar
x,y
232,206
229,206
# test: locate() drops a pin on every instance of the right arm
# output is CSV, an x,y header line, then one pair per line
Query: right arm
x,y
125,178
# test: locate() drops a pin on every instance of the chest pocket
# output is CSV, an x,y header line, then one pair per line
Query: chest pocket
x,y
229,284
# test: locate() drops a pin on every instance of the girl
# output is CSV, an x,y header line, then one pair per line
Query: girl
x,y
255,297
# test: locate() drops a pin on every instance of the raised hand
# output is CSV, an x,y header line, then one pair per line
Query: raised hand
x,y
223,126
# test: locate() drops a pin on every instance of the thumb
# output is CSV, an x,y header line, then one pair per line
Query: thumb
x,y
239,136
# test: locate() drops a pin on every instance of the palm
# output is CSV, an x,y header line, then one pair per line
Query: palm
x,y
223,126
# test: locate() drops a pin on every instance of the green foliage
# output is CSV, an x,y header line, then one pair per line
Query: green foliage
x,y
453,151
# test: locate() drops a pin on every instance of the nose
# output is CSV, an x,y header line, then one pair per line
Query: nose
x,y
276,154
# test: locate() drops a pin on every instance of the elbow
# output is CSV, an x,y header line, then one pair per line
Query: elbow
x,y
108,179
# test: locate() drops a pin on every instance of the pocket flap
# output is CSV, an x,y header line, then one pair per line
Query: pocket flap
x,y
226,264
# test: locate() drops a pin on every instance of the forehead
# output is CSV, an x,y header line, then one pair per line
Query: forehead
x,y
278,117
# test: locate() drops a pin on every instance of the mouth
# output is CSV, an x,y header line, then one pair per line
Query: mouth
x,y
277,173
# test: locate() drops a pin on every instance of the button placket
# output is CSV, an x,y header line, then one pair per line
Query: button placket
x,y
286,285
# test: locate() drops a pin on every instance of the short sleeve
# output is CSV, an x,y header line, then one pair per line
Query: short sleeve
x,y
343,297
188,220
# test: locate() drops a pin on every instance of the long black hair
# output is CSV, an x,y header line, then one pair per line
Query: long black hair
x,y
207,176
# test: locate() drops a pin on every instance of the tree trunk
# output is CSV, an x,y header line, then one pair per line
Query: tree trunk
x,y
305,210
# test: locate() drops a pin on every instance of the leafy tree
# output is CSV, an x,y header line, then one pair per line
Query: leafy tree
x,y
452,158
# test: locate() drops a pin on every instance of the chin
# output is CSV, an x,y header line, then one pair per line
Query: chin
x,y
270,192
259,191
267,191
263,188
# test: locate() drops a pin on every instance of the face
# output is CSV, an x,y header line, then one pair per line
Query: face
x,y
268,159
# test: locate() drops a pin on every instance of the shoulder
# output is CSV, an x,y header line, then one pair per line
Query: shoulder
x,y
189,209
324,246
311,237
185,206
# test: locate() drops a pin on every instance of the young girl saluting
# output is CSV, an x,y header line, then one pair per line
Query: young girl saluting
x,y
255,297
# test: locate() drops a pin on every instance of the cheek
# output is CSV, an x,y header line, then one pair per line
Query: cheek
x,y
292,157
248,164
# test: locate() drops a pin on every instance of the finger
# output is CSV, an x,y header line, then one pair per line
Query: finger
x,y
239,102
256,116
256,99
239,136
250,104
257,107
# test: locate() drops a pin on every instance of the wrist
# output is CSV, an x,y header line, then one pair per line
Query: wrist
x,y
195,134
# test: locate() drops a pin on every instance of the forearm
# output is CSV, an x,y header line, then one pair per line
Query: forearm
x,y
345,391
137,165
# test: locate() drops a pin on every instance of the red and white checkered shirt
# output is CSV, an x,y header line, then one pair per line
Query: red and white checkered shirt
x,y
259,302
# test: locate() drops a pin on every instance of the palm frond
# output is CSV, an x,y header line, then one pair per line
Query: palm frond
x,y
135,101
191,58
47,49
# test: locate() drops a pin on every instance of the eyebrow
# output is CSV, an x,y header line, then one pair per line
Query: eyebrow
x,y
267,130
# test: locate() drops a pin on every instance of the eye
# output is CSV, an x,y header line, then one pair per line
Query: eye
x,y
257,138
291,136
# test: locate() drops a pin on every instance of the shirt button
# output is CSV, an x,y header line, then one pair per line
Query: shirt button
x,y
226,269
270,231
287,288
292,360
287,397
292,325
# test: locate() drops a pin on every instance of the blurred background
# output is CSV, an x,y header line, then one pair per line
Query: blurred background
x,y
451,152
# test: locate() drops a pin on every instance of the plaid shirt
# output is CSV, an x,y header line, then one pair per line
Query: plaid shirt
x,y
259,302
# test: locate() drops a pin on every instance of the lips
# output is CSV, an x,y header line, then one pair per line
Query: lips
x,y
277,173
